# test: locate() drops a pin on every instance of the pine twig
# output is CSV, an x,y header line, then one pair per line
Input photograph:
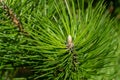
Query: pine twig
x,y
12,16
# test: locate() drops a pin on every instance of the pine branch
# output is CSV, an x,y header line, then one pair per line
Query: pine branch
x,y
47,53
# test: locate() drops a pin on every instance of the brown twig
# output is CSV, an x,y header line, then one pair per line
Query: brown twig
x,y
12,16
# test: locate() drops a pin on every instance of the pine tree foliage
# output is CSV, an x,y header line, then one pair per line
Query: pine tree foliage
x,y
55,39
